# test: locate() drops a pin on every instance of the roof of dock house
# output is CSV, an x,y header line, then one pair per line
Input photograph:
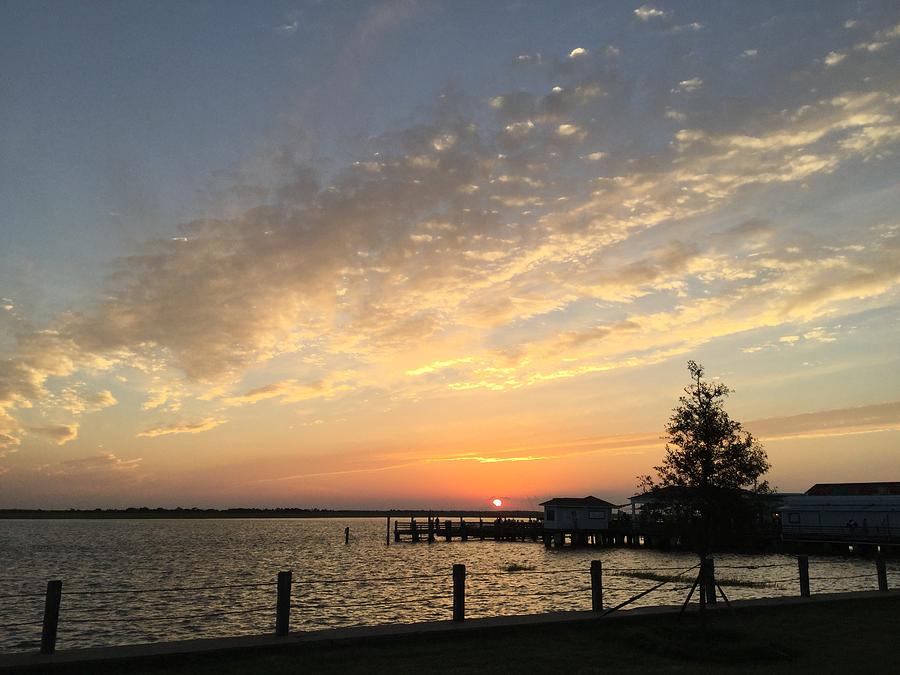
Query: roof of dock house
x,y
577,501
853,489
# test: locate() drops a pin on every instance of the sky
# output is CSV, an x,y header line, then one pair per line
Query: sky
x,y
428,254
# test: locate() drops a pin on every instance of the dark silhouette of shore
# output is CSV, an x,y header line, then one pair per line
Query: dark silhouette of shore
x,y
179,512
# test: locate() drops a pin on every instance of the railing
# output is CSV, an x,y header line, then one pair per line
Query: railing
x,y
289,589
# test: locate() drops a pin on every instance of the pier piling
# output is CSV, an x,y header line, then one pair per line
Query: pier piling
x,y
881,569
283,606
51,616
459,592
803,567
596,586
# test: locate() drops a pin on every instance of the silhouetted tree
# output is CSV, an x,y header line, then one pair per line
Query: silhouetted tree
x,y
711,463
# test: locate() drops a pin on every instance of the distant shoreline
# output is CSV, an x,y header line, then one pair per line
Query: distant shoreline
x,y
145,513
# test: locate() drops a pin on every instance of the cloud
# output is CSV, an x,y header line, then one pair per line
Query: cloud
x,y
489,236
287,28
57,433
578,51
694,26
688,86
648,13
94,463
863,419
181,428
293,391
834,58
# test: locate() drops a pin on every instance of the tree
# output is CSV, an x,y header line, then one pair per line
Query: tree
x,y
711,463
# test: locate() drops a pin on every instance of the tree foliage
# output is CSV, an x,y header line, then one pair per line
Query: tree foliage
x,y
705,448
709,484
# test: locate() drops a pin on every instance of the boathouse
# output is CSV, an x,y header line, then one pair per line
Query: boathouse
x,y
582,519
577,513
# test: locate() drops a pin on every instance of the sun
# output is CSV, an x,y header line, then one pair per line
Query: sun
x,y
497,502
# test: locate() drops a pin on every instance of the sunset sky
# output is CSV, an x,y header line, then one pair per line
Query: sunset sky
x,y
428,254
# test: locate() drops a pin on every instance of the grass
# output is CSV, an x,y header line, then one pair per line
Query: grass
x,y
845,636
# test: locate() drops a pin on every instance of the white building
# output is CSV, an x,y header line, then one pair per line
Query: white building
x,y
570,514
857,512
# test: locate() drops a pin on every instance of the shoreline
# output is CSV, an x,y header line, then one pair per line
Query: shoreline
x,y
144,513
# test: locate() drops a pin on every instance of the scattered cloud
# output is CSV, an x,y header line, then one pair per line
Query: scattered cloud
x,y
497,242
688,86
834,58
648,13
181,428
93,463
57,433
287,28
863,419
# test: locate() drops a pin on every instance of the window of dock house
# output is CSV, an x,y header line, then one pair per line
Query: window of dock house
x,y
551,514
596,515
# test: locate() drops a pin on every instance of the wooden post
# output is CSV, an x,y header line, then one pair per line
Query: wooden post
x,y
346,535
51,616
448,529
430,529
881,568
396,530
596,586
462,530
459,592
415,530
388,535
283,607
803,567
709,579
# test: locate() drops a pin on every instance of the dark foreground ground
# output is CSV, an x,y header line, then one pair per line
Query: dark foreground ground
x,y
847,636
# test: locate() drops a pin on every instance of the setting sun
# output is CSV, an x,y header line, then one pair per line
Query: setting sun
x,y
497,502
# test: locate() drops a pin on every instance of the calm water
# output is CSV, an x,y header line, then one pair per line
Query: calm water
x,y
365,582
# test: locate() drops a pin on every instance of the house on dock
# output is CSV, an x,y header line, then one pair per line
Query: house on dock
x,y
579,518
865,515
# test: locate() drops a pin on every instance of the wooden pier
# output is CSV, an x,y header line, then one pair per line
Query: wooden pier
x,y
449,528
433,528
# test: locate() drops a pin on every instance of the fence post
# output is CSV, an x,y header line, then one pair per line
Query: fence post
x,y
709,580
596,586
803,566
51,616
459,592
388,536
881,568
283,607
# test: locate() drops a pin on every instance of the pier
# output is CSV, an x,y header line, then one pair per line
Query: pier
x,y
433,528
449,528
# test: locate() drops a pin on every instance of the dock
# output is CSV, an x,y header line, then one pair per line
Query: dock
x,y
448,528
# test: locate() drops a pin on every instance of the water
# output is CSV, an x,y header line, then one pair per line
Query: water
x,y
363,583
